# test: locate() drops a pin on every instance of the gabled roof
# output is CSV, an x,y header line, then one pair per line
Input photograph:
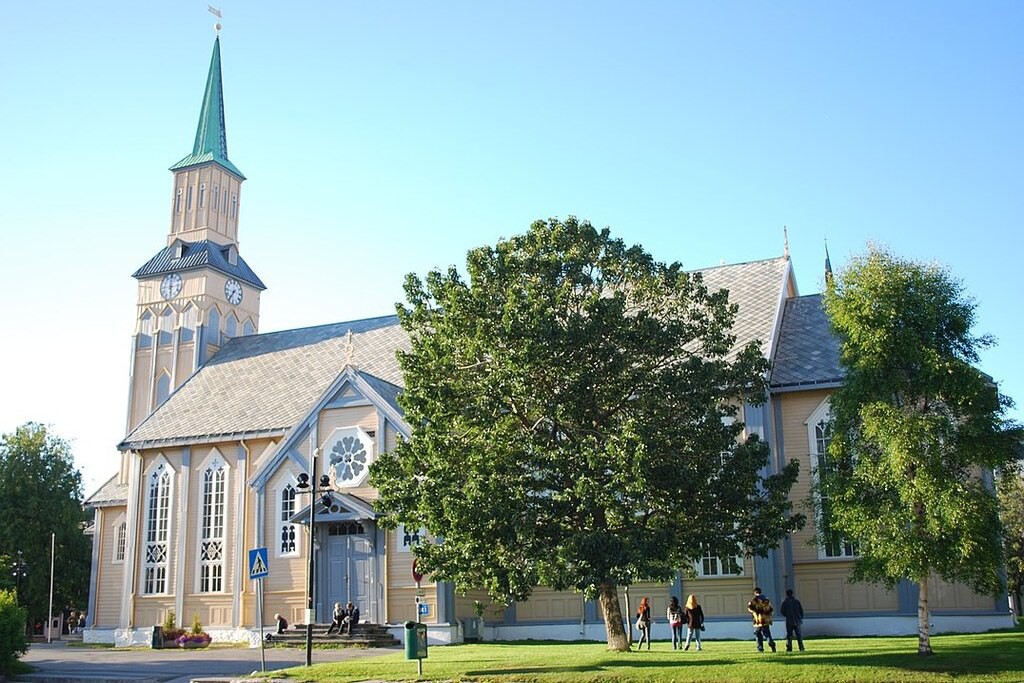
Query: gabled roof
x,y
265,384
109,495
808,353
211,143
758,288
198,255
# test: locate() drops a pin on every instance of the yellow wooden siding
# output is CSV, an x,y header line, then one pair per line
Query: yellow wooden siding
x,y
719,597
796,408
109,586
465,605
214,610
949,596
151,610
289,572
823,587
547,605
402,604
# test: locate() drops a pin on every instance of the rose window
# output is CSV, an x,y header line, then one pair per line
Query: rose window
x,y
349,458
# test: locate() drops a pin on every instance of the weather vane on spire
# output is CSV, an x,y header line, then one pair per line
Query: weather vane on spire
x,y
215,12
785,242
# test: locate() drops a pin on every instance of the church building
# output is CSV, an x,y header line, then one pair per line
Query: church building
x,y
222,422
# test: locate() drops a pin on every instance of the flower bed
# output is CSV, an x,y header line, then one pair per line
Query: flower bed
x,y
191,641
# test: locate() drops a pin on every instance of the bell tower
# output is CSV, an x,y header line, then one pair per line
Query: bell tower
x,y
197,292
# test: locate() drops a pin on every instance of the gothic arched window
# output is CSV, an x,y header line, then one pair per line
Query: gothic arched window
x,y
287,532
211,541
146,330
189,319
163,388
213,325
166,325
157,530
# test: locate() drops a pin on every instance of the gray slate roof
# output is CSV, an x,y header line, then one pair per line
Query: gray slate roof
x,y
757,288
808,352
110,494
264,384
198,255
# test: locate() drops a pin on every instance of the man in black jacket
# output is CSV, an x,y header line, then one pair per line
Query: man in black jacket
x,y
351,618
794,613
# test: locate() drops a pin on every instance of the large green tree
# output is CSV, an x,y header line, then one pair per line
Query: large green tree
x,y
41,493
1011,510
917,430
568,402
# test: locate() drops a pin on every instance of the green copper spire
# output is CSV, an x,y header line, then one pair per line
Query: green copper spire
x,y
211,139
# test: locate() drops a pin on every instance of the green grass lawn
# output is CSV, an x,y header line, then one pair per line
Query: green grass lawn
x,y
970,657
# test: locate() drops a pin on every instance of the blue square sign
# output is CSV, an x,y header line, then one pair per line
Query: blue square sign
x,y
258,567
424,609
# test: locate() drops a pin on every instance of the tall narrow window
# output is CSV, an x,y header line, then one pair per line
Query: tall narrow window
x,y
230,327
213,326
234,206
833,544
211,549
146,330
188,199
248,328
189,317
177,201
216,197
158,508
163,388
120,541
202,195
224,206
288,536
166,326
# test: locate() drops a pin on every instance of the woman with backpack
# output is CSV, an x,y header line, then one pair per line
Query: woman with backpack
x,y
675,620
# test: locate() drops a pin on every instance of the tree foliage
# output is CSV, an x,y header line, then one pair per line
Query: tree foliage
x,y
569,399
41,492
917,429
13,643
1011,510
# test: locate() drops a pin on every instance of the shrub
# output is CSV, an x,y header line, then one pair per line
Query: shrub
x,y
170,629
12,631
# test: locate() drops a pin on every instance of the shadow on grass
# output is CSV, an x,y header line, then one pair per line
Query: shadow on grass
x,y
594,668
950,660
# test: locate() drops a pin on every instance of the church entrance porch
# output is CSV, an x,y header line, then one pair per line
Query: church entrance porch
x,y
348,564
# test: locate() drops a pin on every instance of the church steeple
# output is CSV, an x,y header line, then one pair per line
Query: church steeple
x,y
211,137
207,186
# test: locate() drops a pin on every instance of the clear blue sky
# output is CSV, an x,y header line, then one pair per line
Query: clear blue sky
x,y
382,138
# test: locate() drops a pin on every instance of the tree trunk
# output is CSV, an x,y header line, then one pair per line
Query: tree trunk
x,y
609,599
924,645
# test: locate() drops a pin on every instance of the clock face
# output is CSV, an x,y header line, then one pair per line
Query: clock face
x,y
170,285
233,292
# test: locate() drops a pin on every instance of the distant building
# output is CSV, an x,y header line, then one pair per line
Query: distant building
x,y
221,422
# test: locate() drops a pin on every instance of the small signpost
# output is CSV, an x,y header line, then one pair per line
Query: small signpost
x,y
259,567
416,637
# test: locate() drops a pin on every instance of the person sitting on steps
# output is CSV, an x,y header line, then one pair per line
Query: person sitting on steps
x,y
351,618
337,618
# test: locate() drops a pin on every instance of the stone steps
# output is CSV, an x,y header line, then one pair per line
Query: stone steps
x,y
363,635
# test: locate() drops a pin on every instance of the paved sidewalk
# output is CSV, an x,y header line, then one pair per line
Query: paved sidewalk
x,y
58,663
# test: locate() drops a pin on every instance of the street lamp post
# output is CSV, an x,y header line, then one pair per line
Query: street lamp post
x,y
19,571
303,485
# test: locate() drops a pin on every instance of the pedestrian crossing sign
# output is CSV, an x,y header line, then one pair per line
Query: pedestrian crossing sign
x,y
258,563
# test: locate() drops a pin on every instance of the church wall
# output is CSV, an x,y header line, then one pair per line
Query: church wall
x,y
720,597
108,583
823,587
401,588
946,596
796,408
547,605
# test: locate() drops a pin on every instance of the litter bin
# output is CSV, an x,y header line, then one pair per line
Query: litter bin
x,y
415,640
158,637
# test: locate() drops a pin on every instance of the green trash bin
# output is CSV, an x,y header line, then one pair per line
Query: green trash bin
x,y
158,638
415,640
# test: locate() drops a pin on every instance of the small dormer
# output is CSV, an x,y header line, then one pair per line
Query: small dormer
x,y
178,249
231,254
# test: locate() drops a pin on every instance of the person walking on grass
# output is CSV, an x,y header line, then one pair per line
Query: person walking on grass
x,y
675,620
794,613
643,622
761,610
694,621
